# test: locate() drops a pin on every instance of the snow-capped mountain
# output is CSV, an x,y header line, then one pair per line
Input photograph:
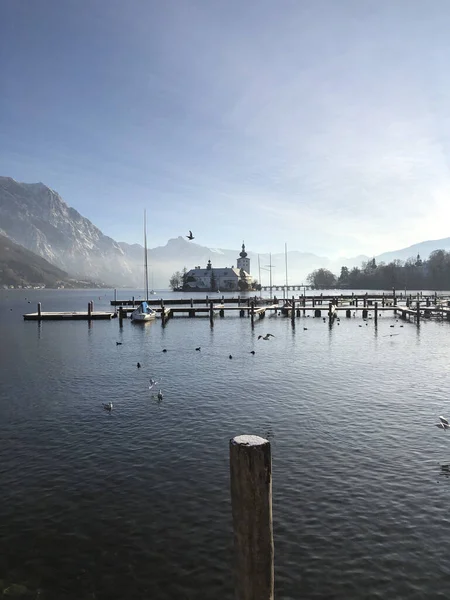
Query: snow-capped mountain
x,y
36,217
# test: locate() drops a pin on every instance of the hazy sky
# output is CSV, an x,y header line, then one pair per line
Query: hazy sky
x,y
323,124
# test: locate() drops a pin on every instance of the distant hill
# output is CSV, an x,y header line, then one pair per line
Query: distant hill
x,y
422,248
19,266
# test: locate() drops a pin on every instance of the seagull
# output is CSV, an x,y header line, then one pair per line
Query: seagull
x,y
198,349
138,365
266,337
152,383
160,395
118,343
444,424
190,236
108,406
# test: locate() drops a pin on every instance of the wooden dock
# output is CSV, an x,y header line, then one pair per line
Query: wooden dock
x,y
416,307
68,316
90,315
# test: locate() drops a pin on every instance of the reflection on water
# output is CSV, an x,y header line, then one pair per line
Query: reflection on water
x,y
134,503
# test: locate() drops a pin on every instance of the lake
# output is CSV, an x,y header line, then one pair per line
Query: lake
x,y
135,503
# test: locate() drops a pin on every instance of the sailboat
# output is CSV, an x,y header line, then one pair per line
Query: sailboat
x,y
144,312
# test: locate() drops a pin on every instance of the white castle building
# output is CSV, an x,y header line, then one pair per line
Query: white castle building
x,y
224,279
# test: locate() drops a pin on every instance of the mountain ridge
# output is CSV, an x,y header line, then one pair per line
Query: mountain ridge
x,y
37,218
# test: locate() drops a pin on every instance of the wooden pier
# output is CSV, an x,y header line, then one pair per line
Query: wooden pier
x,y
90,315
416,307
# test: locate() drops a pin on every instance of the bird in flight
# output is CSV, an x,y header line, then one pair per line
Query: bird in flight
x,y
265,337
444,424
190,236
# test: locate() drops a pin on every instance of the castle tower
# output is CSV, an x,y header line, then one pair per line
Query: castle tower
x,y
243,262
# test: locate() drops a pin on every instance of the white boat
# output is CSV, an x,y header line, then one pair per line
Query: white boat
x,y
144,312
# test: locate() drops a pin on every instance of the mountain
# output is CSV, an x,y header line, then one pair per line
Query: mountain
x,y
19,266
36,217
422,248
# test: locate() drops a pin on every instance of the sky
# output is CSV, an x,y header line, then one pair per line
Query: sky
x,y
322,124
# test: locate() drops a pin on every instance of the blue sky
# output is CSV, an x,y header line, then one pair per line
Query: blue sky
x,y
321,123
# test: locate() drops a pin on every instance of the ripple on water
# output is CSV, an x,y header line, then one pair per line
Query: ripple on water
x,y
135,503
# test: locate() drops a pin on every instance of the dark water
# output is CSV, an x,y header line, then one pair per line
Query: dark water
x,y
135,504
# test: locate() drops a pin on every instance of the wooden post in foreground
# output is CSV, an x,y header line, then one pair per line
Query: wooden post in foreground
x,y
89,310
376,313
251,503
211,314
39,310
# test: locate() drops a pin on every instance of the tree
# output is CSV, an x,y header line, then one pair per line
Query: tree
x,y
343,277
322,278
176,281
184,277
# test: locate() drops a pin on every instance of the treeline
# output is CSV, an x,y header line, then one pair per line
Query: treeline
x,y
413,273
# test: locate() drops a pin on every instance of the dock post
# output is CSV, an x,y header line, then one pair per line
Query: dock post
x,y
120,316
89,310
293,309
313,301
133,300
39,311
330,310
376,313
382,301
365,301
394,299
356,301
211,313
418,312
252,311
163,314
251,504
348,313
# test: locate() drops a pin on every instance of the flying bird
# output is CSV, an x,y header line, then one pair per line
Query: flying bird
x,y
198,349
118,343
252,352
190,236
444,424
265,337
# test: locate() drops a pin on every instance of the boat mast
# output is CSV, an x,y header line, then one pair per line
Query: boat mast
x,y
286,262
145,256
